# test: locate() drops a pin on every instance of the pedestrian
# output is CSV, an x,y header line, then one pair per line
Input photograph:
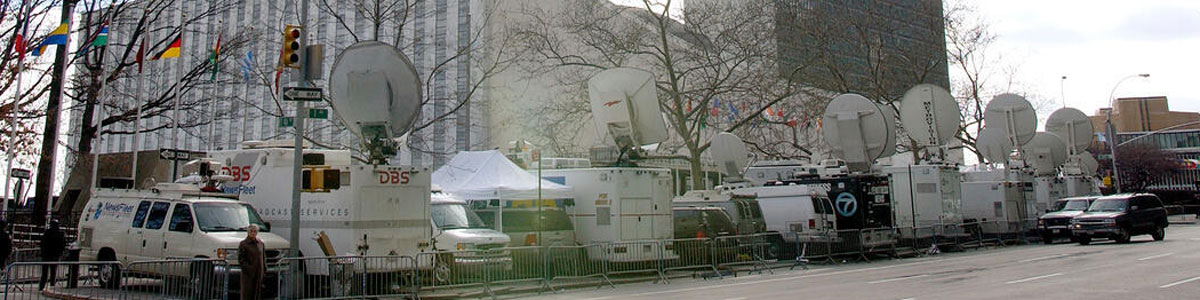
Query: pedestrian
x,y
253,262
5,246
53,245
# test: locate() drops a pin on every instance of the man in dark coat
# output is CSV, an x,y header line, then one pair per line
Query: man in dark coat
x,y
53,245
252,259
5,245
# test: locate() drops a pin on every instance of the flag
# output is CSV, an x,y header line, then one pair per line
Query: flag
x,y
768,113
278,71
734,114
246,65
1100,137
214,56
141,55
19,46
100,39
716,107
792,122
58,36
39,50
172,50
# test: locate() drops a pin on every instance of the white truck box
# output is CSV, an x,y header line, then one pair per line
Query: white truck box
x,y
620,205
925,195
999,206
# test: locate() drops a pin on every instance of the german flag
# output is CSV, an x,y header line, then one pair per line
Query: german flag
x,y
172,50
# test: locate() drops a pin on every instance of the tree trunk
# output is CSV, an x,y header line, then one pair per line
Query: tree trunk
x,y
45,168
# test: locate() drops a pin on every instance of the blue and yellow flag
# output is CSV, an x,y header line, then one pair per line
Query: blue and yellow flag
x,y
58,36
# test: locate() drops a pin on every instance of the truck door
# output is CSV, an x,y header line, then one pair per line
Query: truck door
x,y
136,235
152,238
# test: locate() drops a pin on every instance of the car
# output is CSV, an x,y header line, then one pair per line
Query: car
x,y
1120,217
1054,224
702,222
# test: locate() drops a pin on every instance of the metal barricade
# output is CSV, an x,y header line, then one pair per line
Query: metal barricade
x,y
466,268
738,250
810,247
847,243
637,257
694,253
331,277
389,276
529,265
578,262
175,278
24,280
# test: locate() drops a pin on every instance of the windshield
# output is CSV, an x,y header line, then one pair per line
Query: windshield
x,y
525,221
227,217
454,216
1111,205
1071,205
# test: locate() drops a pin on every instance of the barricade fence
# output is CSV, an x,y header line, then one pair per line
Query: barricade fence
x,y
526,268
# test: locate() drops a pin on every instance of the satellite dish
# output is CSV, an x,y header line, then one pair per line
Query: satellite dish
x,y
1046,151
994,146
1073,126
856,130
889,116
625,107
930,115
1013,115
729,152
375,90
1086,162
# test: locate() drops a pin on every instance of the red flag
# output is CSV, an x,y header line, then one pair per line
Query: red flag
x,y
278,71
792,122
19,45
141,56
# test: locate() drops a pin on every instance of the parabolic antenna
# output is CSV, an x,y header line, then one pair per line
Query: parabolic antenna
x,y
930,115
1073,126
1086,162
1013,115
994,146
889,116
375,90
729,152
625,107
1046,151
856,130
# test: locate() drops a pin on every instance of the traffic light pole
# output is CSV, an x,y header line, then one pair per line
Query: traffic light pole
x,y
298,151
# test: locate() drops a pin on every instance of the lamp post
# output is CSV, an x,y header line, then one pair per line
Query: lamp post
x,y
1062,94
1112,131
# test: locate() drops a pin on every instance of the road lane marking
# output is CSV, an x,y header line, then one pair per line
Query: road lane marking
x,y
1179,282
1155,256
1033,278
898,278
738,298
1043,258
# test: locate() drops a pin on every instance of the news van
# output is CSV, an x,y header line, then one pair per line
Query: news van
x,y
350,208
172,220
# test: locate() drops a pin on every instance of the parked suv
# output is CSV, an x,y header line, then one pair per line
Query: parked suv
x,y
1120,217
1054,223
702,222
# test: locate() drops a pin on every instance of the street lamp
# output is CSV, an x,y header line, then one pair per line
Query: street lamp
x,y
1112,131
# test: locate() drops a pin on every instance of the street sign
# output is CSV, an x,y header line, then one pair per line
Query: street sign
x,y
292,93
20,173
318,113
286,122
172,154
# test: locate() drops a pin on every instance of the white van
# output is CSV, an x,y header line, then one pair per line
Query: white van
x,y
355,209
170,221
794,211
457,228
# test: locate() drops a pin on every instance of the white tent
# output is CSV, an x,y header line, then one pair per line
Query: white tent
x,y
483,175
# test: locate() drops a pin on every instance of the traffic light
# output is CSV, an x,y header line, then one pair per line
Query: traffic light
x,y
290,56
320,180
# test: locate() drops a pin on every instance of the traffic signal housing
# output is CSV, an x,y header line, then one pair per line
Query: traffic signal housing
x,y
290,56
320,179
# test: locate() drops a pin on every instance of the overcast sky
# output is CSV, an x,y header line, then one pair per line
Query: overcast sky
x,y
1096,43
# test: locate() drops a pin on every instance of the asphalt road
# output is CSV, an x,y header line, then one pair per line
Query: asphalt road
x,y
1143,269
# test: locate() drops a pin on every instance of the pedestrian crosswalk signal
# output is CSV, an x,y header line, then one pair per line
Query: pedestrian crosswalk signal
x,y
290,56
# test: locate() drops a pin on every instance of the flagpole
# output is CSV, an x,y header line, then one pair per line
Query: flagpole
x,y
246,102
97,114
178,94
12,117
137,119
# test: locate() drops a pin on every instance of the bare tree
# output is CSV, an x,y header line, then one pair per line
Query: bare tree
x,y
35,78
1141,165
714,71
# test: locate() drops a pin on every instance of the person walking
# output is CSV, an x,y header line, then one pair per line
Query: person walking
x,y
53,245
252,259
5,246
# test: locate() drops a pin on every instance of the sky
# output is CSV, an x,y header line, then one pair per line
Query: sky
x,y
1097,43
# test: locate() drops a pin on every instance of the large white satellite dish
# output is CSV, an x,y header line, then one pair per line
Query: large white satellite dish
x,y
1013,115
994,146
1046,151
375,89
1073,126
1086,162
856,130
889,116
625,107
729,152
930,115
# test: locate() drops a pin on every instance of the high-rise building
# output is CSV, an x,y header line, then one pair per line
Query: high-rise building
x,y
436,35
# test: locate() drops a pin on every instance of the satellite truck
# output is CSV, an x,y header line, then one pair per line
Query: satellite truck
x,y
350,208
620,203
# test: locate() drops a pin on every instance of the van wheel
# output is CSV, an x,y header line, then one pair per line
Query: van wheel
x,y
1084,240
1158,234
442,268
1048,239
110,272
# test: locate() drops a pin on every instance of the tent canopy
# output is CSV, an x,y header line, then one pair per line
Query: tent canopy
x,y
483,175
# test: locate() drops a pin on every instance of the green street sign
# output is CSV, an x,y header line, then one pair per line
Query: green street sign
x,y
318,113
287,122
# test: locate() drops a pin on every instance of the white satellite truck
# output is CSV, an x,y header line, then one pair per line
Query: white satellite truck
x,y
624,206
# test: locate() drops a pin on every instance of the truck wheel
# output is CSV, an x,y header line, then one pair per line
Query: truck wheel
x,y
110,272
1084,240
1047,239
1158,234
1122,236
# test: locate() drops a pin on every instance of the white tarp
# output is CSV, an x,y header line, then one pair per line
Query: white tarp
x,y
482,175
